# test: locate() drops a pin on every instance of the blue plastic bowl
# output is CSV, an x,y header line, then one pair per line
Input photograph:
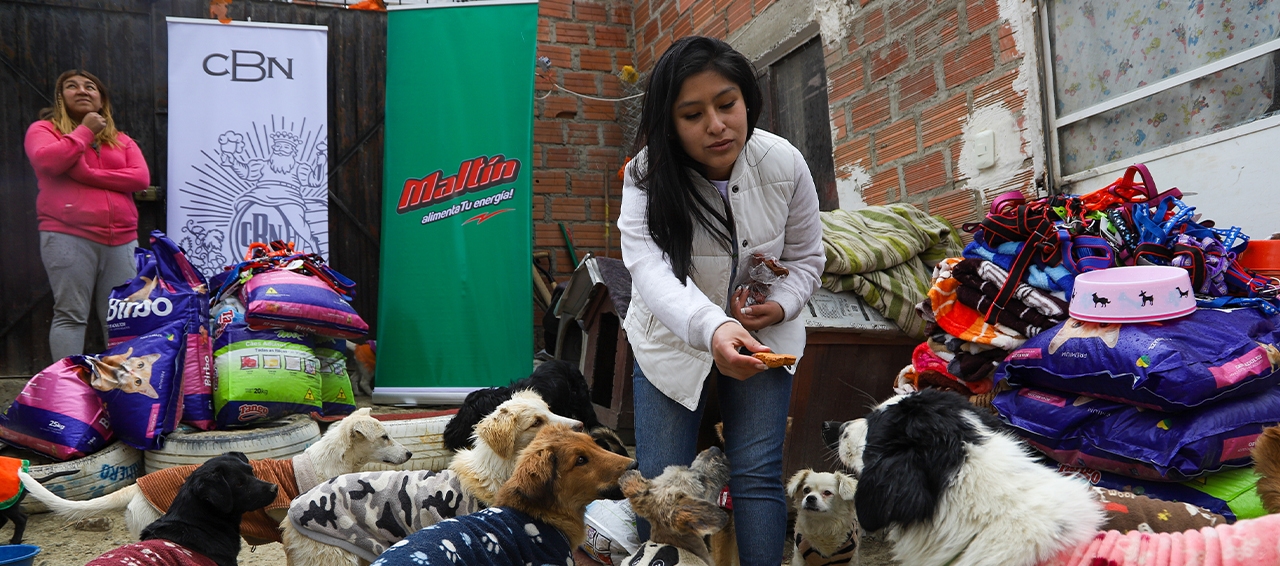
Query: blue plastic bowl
x,y
18,554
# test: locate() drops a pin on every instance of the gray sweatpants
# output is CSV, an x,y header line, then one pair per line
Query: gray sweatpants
x,y
80,270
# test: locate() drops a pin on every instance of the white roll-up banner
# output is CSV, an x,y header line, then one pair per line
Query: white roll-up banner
x,y
248,138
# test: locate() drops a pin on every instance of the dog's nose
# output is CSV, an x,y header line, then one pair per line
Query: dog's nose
x,y
274,489
577,427
831,433
634,465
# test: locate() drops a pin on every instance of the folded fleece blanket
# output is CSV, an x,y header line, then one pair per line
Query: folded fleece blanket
x,y
960,320
884,254
1253,542
1057,280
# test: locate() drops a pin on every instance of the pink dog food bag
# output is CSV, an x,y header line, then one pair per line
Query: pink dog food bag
x,y
293,301
58,414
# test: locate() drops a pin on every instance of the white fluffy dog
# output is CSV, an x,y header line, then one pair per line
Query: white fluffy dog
x,y
480,471
952,487
826,523
347,446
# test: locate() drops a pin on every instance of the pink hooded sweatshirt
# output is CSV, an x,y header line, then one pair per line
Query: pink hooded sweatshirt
x,y
84,192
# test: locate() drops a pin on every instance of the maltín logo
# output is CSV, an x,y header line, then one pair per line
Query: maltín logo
x,y
473,175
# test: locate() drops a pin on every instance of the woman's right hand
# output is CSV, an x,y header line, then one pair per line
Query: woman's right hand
x,y
724,348
94,121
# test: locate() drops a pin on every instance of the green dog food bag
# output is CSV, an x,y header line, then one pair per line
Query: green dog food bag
x,y
335,384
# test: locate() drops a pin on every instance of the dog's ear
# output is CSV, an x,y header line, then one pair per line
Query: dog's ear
x,y
846,487
214,490
633,484
797,481
498,432
361,412
698,516
535,478
237,455
895,489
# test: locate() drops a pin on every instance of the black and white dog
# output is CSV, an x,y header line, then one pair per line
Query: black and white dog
x,y
953,487
559,383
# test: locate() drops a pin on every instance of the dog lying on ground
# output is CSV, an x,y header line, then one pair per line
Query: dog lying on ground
x,y
680,505
539,514
347,446
361,514
826,531
953,487
202,527
1266,459
559,383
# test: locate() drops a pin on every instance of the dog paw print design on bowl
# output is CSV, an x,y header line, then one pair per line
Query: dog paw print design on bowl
x,y
1143,293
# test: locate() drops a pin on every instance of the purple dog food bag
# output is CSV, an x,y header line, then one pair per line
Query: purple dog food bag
x,y
262,374
1083,431
58,414
286,299
169,289
1232,493
1174,365
140,382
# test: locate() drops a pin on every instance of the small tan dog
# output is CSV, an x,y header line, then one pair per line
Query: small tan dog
x,y
826,522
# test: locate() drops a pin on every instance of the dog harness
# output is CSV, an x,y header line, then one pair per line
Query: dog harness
x,y
815,557
155,551
365,513
498,536
256,527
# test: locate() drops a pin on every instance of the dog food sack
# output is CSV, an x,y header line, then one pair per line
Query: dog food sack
x,y
286,299
1231,493
262,374
140,382
337,397
1174,365
57,414
169,289
611,531
1083,431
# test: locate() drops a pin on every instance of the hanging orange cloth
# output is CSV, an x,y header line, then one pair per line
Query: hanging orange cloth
x,y
10,485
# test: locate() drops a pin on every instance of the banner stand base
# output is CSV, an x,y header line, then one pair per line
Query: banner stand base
x,y
421,395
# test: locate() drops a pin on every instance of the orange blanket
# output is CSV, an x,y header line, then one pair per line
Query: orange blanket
x,y
257,527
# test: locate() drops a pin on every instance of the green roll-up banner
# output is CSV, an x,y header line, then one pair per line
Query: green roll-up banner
x,y
456,290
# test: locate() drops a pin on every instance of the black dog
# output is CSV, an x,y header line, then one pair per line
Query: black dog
x,y
559,383
14,512
204,517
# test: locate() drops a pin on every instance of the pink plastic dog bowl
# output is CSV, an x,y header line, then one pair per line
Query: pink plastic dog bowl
x,y
1141,293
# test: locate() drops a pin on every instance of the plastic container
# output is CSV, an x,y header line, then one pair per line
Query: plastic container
x,y
1142,293
18,554
1262,256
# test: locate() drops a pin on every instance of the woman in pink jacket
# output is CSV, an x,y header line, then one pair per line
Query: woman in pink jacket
x,y
87,173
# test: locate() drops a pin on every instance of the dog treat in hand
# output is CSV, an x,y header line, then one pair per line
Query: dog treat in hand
x,y
774,360
764,270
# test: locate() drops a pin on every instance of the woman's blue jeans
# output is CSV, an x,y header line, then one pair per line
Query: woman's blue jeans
x,y
754,412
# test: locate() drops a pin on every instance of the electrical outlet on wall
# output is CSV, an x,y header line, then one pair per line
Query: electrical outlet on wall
x,y
984,149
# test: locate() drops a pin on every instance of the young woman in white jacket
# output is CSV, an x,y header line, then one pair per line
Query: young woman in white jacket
x,y
707,191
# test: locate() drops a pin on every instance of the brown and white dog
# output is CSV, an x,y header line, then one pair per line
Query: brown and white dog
x,y
474,477
1266,460
680,505
538,513
347,446
826,531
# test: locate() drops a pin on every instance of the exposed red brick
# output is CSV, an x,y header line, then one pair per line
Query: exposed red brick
x,y
555,9
569,32
612,86
739,13
603,159
937,33
611,36
582,83
943,121
884,187
548,132
661,44
856,151
594,60
999,91
611,135
846,80
562,157
568,208
1008,48
640,14
648,34
644,58
598,110
957,206
904,12
982,13
718,27
896,141
916,87
760,5
544,30
537,155
549,182
588,236
543,80
703,11
583,134
558,106
623,57
869,110
588,184
839,123
667,16
887,60
925,174
588,11
872,28
684,26
973,60
561,56
539,208
1022,181
547,236
620,14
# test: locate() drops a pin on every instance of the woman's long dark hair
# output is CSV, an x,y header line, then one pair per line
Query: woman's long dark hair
x,y
674,204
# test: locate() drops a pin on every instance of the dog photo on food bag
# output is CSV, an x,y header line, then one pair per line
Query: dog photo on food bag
x,y
202,527
538,513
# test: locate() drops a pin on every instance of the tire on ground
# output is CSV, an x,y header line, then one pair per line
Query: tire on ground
x,y
278,440
423,437
115,467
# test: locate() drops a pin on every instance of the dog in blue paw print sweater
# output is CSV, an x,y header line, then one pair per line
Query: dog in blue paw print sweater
x,y
493,537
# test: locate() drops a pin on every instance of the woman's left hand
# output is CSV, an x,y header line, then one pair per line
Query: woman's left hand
x,y
757,316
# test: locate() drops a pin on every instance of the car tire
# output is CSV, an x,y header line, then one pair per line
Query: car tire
x,y
424,437
115,467
279,439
